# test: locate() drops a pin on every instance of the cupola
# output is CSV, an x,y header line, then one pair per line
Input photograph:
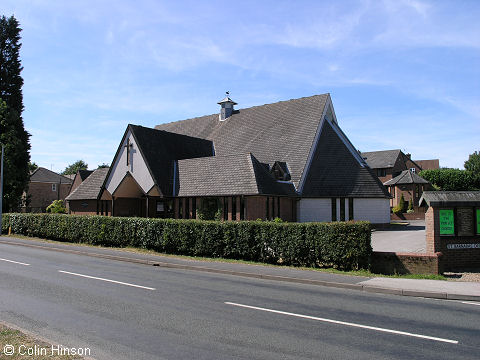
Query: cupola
x,y
226,107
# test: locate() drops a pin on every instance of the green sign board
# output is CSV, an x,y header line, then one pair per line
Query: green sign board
x,y
447,226
478,221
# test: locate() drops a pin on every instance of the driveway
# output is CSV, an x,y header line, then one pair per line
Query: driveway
x,y
401,238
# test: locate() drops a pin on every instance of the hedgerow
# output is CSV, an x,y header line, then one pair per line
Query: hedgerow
x,y
343,245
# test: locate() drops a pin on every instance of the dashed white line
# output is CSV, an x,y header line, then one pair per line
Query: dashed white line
x,y
470,303
345,323
108,280
15,262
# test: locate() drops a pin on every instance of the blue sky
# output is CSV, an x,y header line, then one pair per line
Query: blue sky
x,y
402,73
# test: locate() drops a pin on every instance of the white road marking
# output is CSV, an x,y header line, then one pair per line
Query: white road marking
x,y
470,303
108,280
15,262
345,323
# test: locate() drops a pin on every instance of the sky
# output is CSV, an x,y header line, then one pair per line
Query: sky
x,y
402,74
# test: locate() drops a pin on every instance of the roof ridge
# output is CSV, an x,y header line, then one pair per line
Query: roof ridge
x,y
218,156
248,108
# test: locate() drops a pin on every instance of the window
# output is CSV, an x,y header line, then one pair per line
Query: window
x,y
342,209
187,208
234,208
54,187
180,208
242,208
350,208
381,172
267,212
412,170
334,209
225,208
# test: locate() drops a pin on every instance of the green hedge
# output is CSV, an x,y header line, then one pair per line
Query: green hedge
x,y
343,245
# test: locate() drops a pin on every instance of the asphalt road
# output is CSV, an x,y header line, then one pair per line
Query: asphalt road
x,y
129,311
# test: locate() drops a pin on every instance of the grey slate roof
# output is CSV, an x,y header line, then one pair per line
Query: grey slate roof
x,y
83,174
335,172
406,177
89,189
44,175
160,148
450,198
381,159
238,174
283,131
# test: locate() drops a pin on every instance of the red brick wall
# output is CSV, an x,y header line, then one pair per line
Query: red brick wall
x,y
83,207
454,259
41,194
255,207
390,263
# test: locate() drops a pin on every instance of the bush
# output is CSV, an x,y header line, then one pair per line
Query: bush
x,y
343,245
410,205
57,207
452,179
400,208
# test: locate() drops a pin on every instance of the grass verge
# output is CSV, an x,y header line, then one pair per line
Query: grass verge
x,y
365,273
27,347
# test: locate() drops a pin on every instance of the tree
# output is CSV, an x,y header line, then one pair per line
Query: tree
x,y
73,168
12,130
473,163
103,166
32,166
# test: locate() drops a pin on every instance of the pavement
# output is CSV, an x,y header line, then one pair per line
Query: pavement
x,y
405,237
439,289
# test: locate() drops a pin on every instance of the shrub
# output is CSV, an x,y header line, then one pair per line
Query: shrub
x,y
410,205
57,207
400,208
343,245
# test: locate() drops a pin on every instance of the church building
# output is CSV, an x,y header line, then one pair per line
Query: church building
x,y
287,160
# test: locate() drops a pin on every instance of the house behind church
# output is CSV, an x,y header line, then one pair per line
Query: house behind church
x,y
288,159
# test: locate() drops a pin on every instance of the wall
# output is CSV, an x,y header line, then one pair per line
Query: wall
x,y
390,263
314,210
83,207
41,194
256,207
454,259
136,167
377,211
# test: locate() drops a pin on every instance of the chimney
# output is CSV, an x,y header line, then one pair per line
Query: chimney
x,y
409,156
227,107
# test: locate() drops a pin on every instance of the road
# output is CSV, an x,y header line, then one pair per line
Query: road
x,y
122,310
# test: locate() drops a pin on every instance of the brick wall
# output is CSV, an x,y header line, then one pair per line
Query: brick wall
x,y
42,195
390,263
83,207
454,259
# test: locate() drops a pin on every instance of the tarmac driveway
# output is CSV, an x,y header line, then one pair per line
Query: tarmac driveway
x,y
401,238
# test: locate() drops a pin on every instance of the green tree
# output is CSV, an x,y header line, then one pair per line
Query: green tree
x,y
473,163
73,168
32,166
102,166
12,130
